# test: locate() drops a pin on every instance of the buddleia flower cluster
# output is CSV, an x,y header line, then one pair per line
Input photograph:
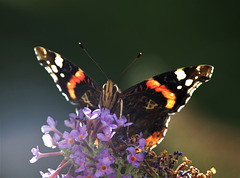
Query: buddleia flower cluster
x,y
94,148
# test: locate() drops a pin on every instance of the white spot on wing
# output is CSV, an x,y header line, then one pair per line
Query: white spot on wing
x,y
44,51
62,75
180,74
38,58
54,68
188,82
59,61
198,68
179,87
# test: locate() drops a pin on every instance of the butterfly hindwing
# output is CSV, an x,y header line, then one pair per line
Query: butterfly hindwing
x,y
72,82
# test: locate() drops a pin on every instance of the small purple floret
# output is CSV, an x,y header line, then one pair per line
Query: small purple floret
x,y
107,134
36,153
103,167
81,161
50,127
71,122
91,115
67,142
133,158
122,121
142,142
76,151
107,120
105,153
49,141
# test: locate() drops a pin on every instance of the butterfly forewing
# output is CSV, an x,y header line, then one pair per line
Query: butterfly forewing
x,y
74,84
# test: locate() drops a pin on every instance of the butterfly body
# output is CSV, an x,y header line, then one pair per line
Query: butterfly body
x,y
147,104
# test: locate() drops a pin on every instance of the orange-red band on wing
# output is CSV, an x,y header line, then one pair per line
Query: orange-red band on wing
x,y
170,96
155,138
71,85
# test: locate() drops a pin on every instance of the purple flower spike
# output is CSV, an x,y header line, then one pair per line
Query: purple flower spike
x,y
88,148
103,167
108,134
50,127
133,158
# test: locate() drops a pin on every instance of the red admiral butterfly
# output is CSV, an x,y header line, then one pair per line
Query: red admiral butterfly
x,y
147,104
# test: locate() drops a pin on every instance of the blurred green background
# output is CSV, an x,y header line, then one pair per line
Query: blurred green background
x,y
170,34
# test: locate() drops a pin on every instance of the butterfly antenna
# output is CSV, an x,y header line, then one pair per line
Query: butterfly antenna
x,y
138,56
80,44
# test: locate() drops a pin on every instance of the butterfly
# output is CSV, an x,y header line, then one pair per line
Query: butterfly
x,y
148,104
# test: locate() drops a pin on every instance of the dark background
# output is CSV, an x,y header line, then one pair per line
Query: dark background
x,y
170,34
